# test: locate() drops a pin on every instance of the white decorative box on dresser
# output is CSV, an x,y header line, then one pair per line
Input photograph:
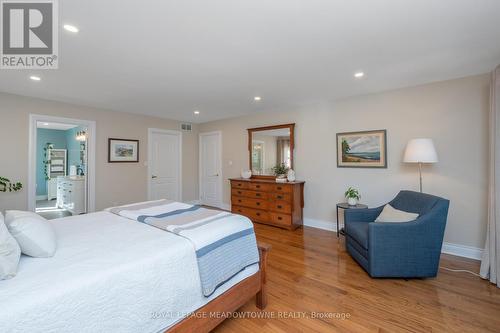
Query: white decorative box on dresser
x,y
71,194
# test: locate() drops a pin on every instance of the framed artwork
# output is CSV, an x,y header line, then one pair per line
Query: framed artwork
x,y
366,149
122,151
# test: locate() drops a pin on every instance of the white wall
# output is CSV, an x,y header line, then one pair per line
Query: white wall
x,y
116,183
453,113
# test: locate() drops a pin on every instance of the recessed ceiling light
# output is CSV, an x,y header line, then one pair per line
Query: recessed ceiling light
x,y
35,78
71,28
196,112
359,75
257,98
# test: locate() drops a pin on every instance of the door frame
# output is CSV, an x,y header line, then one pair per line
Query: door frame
x,y
220,203
152,131
91,156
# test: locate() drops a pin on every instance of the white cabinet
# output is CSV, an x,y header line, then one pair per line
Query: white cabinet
x,y
51,188
71,194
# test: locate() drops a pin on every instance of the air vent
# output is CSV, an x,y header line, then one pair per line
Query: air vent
x,y
186,127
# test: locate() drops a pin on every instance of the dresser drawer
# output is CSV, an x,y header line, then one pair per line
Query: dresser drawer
x,y
282,219
280,207
282,188
280,196
249,202
252,214
236,184
249,194
259,187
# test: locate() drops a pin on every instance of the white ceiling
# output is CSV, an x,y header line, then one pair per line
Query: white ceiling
x,y
55,126
168,58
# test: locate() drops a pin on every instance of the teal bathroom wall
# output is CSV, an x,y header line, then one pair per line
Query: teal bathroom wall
x,y
73,146
44,136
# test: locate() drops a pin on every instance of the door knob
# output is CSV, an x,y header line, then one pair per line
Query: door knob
x,y
216,175
153,176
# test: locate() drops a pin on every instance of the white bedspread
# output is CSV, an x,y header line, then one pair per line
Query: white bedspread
x,y
109,274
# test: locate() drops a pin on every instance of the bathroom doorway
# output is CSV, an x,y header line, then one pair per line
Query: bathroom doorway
x,y
61,166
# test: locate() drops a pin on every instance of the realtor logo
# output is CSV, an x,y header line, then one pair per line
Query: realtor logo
x,y
29,36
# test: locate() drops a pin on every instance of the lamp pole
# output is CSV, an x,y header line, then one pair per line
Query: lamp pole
x,y
420,173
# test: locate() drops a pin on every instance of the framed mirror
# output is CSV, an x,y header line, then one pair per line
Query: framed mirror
x,y
268,147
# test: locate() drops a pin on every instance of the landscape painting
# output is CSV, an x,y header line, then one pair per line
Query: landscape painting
x,y
365,149
121,150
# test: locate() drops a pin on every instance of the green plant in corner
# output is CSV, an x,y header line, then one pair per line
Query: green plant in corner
x,y
46,161
280,169
7,185
352,193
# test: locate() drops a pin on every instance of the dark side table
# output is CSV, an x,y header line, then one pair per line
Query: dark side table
x,y
345,205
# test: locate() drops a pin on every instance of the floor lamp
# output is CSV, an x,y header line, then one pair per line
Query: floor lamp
x,y
420,151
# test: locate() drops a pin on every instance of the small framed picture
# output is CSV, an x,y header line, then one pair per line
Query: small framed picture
x,y
122,150
367,149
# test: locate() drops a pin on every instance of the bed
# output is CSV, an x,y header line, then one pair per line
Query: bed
x,y
114,274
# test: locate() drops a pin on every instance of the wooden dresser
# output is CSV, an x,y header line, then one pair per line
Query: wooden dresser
x,y
266,201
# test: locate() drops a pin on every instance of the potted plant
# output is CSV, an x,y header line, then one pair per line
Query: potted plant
x,y
352,195
280,171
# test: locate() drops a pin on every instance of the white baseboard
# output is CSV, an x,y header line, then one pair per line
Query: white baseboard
x,y
320,224
462,250
448,248
41,197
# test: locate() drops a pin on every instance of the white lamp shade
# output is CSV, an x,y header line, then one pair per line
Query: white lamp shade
x,y
420,151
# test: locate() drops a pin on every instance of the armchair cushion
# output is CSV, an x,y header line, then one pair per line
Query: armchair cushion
x,y
390,214
359,232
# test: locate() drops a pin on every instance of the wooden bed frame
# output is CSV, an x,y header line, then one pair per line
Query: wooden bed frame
x,y
230,301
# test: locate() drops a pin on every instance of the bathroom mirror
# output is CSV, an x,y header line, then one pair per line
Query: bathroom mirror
x,y
270,146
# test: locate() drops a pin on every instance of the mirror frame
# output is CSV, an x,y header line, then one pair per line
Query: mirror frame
x,y
266,128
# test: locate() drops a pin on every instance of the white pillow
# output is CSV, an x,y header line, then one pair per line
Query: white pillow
x,y
33,233
9,252
390,214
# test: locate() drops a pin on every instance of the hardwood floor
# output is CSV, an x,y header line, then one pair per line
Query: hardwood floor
x,y
310,271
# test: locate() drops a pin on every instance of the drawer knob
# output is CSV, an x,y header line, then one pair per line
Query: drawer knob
x,y
280,197
258,203
257,194
280,218
239,200
279,206
258,214
239,192
279,187
239,210
258,186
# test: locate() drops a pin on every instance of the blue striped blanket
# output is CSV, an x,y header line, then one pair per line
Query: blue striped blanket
x,y
224,243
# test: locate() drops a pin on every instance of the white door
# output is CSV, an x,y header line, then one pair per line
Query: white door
x,y
210,169
165,165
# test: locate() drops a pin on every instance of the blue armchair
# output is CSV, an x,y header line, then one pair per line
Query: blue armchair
x,y
405,250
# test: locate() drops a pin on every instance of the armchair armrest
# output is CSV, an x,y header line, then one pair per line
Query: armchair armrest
x,y
362,215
